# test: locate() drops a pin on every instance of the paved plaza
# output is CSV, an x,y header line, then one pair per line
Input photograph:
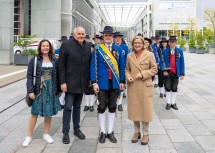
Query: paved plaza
x,y
191,129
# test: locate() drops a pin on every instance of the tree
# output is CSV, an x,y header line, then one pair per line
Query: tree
x,y
192,41
192,24
199,40
174,29
210,17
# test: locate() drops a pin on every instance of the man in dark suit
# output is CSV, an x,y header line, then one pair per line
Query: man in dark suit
x,y
74,63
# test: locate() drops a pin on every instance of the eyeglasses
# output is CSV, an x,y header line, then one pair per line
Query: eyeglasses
x,y
138,43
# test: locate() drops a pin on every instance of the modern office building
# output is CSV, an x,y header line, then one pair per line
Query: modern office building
x,y
159,16
45,19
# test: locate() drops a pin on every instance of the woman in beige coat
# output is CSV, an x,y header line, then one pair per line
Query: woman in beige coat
x,y
140,67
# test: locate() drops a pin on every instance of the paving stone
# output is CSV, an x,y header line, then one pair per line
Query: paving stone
x,y
129,147
163,151
11,124
159,142
189,119
170,124
210,124
203,115
90,122
127,134
182,111
36,146
206,142
188,147
155,129
165,114
1,138
194,108
180,135
198,130
80,146
90,132
109,150
92,114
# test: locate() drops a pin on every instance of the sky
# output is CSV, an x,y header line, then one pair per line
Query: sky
x,y
207,4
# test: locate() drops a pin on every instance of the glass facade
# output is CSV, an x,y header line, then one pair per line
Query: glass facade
x,y
17,17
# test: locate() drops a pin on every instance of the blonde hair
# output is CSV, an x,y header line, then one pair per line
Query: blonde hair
x,y
138,37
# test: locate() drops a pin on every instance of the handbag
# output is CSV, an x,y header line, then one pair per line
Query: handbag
x,y
28,100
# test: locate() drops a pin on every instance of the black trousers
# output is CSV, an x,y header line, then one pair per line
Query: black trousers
x,y
72,104
108,98
160,78
171,83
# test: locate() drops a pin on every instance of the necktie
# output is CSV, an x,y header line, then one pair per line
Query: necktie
x,y
109,48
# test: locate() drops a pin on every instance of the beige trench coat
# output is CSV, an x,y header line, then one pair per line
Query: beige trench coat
x,y
141,91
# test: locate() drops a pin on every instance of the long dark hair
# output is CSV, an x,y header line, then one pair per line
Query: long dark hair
x,y
161,46
51,50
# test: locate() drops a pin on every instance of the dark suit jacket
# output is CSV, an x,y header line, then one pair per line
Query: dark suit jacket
x,y
74,61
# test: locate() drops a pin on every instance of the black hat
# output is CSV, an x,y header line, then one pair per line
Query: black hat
x,y
63,38
87,36
71,37
139,34
152,37
101,37
97,36
108,29
149,40
117,34
157,37
163,39
172,38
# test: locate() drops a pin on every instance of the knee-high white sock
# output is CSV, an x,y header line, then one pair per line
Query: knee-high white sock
x,y
162,90
173,97
102,122
111,118
87,100
156,79
120,98
92,100
168,97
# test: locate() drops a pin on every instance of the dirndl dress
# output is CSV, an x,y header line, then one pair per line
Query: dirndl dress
x,y
46,104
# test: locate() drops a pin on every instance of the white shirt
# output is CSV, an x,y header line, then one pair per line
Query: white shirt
x,y
109,47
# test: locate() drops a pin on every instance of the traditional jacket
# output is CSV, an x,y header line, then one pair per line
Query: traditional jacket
x,y
99,69
180,65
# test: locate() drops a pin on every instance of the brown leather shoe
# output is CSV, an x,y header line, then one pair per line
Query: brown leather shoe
x,y
145,140
136,137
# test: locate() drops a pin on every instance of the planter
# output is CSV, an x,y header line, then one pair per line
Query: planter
x,y
200,51
212,50
192,50
20,59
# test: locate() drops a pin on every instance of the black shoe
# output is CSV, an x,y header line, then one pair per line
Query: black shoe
x,y
161,95
120,107
91,108
111,137
86,108
66,139
164,95
124,96
174,107
155,85
168,106
102,138
79,134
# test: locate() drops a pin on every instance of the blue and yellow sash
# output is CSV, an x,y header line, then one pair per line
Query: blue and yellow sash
x,y
109,59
